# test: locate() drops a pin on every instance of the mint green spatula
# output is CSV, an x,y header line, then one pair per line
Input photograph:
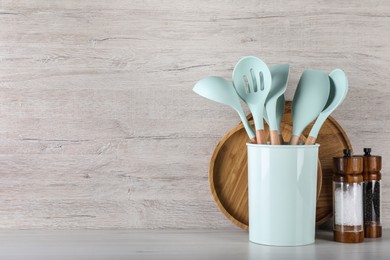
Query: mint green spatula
x,y
309,100
220,90
273,105
338,92
279,116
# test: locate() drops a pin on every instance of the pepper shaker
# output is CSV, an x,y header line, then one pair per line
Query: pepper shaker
x,y
372,166
348,198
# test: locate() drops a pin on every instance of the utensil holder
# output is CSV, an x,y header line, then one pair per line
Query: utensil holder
x,y
282,183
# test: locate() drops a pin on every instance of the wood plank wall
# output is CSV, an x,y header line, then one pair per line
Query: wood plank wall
x,y
99,127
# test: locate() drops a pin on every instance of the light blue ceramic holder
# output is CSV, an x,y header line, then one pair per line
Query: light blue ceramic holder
x,y
282,184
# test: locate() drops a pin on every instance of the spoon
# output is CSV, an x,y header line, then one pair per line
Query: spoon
x,y
252,80
278,87
220,90
309,100
338,92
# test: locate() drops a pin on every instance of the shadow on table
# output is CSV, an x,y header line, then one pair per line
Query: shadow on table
x,y
326,235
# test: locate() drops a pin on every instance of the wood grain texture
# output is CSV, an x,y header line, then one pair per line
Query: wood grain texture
x,y
99,127
228,168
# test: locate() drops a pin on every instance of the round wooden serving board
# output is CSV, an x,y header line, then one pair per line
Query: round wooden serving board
x,y
228,168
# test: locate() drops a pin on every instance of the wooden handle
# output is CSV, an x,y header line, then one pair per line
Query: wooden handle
x,y
310,140
275,138
253,141
260,136
281,140
294,140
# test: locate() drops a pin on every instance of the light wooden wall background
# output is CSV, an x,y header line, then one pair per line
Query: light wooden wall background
x,y
99,127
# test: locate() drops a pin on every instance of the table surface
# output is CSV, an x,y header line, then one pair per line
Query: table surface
x,y
175,244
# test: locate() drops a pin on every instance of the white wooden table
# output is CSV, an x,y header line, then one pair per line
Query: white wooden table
x,y
177,244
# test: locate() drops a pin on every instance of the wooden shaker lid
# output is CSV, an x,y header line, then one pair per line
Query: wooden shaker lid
x,y
348,168
371,163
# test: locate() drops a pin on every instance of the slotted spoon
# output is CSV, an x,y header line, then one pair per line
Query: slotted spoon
x,y
252,80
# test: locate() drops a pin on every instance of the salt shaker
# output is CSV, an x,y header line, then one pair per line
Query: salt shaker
x,y
372,166
348,198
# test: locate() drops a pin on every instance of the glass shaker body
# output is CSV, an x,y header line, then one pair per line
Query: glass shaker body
x,y
348,199
372,205
348,206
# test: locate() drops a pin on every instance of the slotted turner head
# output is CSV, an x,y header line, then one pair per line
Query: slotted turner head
x,y
252,80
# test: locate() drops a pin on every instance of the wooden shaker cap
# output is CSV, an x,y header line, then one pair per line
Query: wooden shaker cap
x,y
372,164
372,175
348,165
348,168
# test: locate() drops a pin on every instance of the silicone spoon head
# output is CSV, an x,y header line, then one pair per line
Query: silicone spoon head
x,y
217,89
337,94
309,99
220,90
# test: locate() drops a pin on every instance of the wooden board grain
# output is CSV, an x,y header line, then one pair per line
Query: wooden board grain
x,y
228,168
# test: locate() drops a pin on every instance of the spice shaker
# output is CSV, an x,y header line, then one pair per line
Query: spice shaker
x,y
348,198
372,166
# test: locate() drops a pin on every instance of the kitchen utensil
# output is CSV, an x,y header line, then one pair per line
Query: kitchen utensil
x,y
220,90
338,92
309,100
228,172
252,80
279,115
278,87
